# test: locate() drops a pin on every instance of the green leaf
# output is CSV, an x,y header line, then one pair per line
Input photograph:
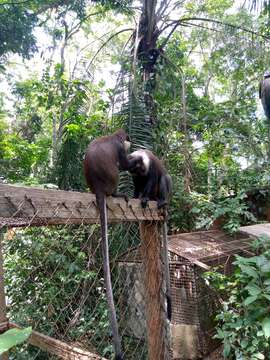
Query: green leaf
x,y
259,356
13,337
249,271
261,260
253,289
220,334
266,268
249,300
227,349
266,327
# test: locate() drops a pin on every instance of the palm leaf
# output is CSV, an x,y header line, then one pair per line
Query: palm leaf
x,y
259,5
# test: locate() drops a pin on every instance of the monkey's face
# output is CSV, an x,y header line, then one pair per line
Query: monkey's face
x,y
127,144
139,168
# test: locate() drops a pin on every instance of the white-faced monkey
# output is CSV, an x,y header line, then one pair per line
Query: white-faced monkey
x,y
104,158
264,93
150,178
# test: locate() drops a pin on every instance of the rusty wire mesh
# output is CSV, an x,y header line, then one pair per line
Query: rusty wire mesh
x,y
54,283
195,303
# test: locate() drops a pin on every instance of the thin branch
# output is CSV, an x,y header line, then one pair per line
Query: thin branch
x,y
182,21
228,24
93,41
16,3
202,27
170,34
77,27
106,42
163,7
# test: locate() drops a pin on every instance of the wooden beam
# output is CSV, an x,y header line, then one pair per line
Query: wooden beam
x,y
58,348
26,206
154,294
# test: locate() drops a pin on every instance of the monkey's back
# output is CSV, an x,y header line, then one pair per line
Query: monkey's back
x,y
101,166
158,163
265,95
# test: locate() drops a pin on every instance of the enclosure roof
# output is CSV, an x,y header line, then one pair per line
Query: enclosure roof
x,y
256,230
203,247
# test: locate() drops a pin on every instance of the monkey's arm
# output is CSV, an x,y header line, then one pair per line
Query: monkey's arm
x,y
150,185
137,188
124,162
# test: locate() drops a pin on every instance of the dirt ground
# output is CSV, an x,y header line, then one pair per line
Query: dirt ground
x,y
216,355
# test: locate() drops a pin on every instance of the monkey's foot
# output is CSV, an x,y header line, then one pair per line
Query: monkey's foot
x,y
144,202
161,204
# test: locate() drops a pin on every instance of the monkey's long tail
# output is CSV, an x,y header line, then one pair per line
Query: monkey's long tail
x,y
101,202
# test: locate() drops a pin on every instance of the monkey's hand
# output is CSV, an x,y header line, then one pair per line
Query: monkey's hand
x,y
144,201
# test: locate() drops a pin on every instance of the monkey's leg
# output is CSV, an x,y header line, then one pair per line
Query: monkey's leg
x,y
150,185
164,191
136,194
161,201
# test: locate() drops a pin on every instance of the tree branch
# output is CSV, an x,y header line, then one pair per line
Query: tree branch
x,y
183,21
106,42
77,27
16,3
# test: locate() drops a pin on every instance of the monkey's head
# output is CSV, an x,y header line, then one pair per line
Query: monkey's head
x,y
141,164
124,138
266,74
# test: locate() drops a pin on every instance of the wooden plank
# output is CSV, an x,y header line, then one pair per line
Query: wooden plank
x,y
256,230
36,207
58,348
156,316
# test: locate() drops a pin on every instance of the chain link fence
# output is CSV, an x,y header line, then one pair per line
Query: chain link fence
x,y
51,246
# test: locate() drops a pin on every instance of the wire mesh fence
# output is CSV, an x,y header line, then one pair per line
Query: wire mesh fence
x,y
53,275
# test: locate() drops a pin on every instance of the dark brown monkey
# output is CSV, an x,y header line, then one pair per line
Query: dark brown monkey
x,y
264,93
104,158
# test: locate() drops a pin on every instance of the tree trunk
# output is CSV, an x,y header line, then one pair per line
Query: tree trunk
x,y
148,54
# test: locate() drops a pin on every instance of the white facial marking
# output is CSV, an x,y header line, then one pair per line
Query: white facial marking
x,y
127,145
144,156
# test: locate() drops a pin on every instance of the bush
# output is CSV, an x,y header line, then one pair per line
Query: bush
x,y
244,322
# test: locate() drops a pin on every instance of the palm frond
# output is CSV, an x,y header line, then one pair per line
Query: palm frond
x,y
259,5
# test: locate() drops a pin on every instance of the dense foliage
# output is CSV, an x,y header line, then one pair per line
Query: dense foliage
x,y
182,79
244,322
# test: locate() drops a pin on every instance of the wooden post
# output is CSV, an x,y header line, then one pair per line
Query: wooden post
x,y
156,319
3,308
